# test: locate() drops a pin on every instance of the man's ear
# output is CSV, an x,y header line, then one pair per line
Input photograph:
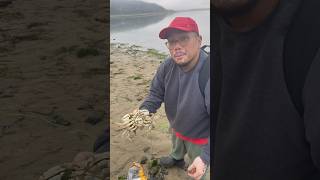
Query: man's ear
x,y
200,40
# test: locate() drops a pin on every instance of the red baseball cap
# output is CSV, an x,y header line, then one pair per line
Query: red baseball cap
x,y
180,23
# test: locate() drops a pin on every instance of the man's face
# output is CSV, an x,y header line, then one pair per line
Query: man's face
x,y
184,47
232,8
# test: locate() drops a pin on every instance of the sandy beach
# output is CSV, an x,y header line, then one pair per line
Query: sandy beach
x,y
131,71
53,83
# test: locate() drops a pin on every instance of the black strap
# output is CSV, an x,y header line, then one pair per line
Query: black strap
x,y
204,75
204,72
301,45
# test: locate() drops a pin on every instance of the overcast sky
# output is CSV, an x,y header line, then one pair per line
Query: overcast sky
x,y
181,4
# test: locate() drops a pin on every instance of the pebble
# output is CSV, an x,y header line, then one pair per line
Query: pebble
x,y
146,149
94,117
143,160
58,119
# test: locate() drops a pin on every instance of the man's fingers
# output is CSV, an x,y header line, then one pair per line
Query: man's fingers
x,y
197,169
192,171
191,167
197,175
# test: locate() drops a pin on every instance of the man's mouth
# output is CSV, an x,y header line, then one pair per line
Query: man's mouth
x,y
179,54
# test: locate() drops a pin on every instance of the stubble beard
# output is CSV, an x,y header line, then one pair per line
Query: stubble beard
x,y
183,64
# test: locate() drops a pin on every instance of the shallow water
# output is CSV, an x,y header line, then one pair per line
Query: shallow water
x,y
144,30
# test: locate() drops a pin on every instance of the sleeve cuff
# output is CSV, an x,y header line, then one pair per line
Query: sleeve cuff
x,y
205,158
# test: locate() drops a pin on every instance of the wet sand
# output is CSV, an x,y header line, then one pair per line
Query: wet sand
x,y
50,84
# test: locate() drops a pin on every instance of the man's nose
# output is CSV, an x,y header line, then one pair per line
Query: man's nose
x,y
177,45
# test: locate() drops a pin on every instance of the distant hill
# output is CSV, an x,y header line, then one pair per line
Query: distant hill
x,y
123,7
197,9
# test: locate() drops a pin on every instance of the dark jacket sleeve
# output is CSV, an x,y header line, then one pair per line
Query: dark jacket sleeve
x,y
156,94
205,155
311,100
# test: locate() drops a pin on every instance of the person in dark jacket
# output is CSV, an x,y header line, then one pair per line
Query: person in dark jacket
x,y
259,134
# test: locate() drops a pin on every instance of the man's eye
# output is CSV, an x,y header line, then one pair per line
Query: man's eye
x,y
184,38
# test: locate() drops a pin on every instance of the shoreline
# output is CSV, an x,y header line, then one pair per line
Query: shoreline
x,y
132,48
140,14
158,13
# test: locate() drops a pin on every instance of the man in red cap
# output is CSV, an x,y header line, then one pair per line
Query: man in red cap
x,y
176,85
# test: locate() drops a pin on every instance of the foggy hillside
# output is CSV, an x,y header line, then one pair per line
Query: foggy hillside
x,y
121,7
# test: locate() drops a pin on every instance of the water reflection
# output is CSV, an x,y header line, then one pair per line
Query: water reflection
x,y
125,23
144,30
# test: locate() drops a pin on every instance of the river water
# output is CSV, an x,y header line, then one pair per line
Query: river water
x,y
144,30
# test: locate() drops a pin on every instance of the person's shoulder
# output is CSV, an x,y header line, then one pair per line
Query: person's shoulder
x,y
203,54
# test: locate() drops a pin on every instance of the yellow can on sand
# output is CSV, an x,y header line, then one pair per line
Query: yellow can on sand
x,y
136,172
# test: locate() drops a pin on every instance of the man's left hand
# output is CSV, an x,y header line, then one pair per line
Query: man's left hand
x,y
197,169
